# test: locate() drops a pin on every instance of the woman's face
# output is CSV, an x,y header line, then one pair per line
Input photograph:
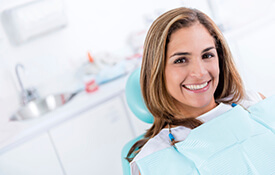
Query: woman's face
x,y
192,70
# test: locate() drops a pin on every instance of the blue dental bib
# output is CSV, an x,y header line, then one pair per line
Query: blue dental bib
x,y
238,142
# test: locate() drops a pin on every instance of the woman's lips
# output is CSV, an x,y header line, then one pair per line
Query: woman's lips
x,y
198,88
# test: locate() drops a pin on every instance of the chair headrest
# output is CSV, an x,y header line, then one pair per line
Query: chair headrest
x,y
134,98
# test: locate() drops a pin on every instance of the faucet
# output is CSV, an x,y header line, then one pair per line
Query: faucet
x,y
29,94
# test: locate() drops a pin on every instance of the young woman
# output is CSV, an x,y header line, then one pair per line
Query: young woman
x,y
188,78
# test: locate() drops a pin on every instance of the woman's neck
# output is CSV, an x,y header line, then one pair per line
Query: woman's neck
x,y
194,112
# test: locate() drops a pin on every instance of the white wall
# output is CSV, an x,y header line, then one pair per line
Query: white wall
x,y
249,28
97,26
104,26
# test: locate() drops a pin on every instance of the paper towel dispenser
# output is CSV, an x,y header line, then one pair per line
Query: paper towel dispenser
x,y
33,19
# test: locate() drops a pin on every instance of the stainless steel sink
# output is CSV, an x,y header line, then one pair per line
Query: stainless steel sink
x,y
41,106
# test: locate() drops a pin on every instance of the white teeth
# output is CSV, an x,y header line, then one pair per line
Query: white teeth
x,y
196,87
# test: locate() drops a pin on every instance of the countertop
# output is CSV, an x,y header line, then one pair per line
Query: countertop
x,y
16,132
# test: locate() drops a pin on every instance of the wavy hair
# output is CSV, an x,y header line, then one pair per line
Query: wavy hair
x,y
152,78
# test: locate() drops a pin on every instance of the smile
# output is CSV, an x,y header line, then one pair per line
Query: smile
x,y
197,86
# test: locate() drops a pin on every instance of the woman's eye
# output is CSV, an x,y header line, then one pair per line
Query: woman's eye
x,y
208,55
180,60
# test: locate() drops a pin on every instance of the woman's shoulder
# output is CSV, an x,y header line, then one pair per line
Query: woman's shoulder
x,y
153,145
161,141
251,97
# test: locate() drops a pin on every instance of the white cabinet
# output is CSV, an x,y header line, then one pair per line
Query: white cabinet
x,y
91,143
35,157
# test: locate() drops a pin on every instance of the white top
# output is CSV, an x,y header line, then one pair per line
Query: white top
x,y
162,141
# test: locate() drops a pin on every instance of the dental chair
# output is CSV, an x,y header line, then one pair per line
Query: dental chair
x,y
245,143
136,104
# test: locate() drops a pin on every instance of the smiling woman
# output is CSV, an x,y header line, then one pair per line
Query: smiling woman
x,y
184,48
192,70
188,77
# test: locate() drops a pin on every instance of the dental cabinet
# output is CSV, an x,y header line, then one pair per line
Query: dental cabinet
x,y
91,145
83,137
37,156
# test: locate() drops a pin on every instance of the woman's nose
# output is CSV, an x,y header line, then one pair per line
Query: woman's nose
x,y
198,69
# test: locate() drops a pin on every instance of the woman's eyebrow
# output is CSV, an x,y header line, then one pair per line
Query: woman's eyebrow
x,y
207,49
180,53
188,53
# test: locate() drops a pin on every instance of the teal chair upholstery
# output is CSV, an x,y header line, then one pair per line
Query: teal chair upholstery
x,y
136,104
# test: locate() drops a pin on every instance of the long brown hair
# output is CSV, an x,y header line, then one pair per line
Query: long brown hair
x,y
152,80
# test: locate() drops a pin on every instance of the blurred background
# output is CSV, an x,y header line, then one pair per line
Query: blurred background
x,y
58,46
